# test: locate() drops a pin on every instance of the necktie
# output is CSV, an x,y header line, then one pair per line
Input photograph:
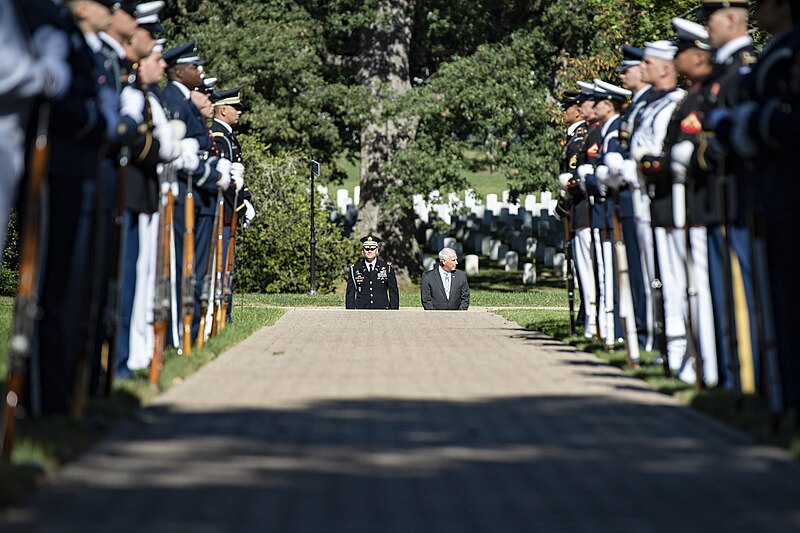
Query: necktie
x,y
447,284
369,267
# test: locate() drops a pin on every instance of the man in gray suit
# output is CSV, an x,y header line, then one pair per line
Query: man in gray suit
x,y
444,287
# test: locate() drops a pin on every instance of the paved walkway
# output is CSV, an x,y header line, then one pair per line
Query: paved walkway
x,y
336,421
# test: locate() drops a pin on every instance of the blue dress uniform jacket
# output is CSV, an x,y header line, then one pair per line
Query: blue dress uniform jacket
x,y
227,146
372,290
772,93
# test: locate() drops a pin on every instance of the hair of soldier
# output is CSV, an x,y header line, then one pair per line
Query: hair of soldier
x,y
445,254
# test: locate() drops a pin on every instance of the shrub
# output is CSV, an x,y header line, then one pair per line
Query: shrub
x,y
273,254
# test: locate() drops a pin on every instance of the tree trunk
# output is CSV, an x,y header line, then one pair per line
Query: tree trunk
x,y
384,69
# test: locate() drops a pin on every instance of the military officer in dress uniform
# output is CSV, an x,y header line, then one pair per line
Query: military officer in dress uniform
x,y
185,75
728,239
228,109
762,130
630,74
371,282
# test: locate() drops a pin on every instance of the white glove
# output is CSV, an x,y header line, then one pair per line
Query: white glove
x,y
51,46
679,205
167,148
630,173
601,173
613,161
678,172
563,179
584,170
131,103
178,128
224,169
237,175
682,153
189,158
249,214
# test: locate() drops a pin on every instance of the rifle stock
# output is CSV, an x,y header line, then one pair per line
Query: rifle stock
x,y
220,223
163,300
570,275
205,295
188,273
229,263
627,314
26,308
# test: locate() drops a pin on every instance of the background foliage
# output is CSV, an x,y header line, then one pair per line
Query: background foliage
x,y
273,254
485,76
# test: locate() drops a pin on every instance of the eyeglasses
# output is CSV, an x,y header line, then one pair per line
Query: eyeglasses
x,y
370,249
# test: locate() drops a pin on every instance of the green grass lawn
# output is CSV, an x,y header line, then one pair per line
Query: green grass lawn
x,y
42,445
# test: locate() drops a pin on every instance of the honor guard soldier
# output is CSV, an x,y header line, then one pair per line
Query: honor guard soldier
x,y
762,130
660,246
673,206
630,74
201,178
729,241
371,282
228,109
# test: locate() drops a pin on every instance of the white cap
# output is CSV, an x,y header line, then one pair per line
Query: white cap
x,y
586,87
149,8
691,34
159,46
660,50
613,91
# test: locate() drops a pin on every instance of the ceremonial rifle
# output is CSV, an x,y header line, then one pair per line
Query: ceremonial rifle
x,y
691,292
570,276
765,322
26,303
593,255
229,261
656,286
626,312
219,225
163,296
727,276
97,277
188,271
205,294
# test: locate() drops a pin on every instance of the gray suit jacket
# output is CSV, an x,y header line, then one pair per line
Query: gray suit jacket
x,y
433,295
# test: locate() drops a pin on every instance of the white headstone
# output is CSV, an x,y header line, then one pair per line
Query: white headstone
x,y
343,200
487,243
529,274
530,203
449,242
356,194
558,262
470,199
512,260
492,204
428,262
471,265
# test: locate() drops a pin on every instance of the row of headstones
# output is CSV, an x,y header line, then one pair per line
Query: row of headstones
x,y
501,230
444,210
